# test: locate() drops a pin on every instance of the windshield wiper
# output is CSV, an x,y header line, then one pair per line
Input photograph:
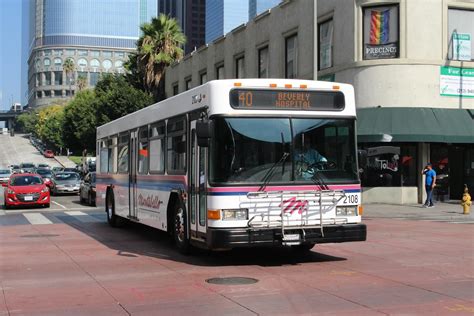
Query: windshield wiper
x,y
318,180
268,176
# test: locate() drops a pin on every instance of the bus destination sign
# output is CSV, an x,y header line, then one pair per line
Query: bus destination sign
x,y
265,99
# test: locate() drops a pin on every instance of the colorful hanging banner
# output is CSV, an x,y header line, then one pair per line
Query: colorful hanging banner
x,y
379,27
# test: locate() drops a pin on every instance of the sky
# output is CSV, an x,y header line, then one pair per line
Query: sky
x,y
10,53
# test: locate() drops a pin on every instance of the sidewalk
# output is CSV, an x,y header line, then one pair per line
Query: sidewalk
x,y
65,162
450,211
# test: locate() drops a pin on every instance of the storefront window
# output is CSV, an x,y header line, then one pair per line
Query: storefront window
x,y
439,157
381,38
387,166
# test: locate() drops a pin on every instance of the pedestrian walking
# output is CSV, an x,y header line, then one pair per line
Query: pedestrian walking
x,y
430,182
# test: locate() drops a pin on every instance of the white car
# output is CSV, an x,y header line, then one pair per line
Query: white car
x,y
5,174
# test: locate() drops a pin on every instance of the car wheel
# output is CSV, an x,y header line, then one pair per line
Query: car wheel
x,y
47,205
89,199
110,210
181,229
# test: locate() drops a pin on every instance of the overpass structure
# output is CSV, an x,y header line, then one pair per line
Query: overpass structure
x,y
9,117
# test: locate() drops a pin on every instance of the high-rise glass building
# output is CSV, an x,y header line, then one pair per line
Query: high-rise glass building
x,y
97,35
191,16
224,15
258,6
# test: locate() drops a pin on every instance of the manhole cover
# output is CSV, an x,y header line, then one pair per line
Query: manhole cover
x,y
232,281
39,235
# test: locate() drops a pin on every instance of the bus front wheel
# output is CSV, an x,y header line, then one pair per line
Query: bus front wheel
x,y
181,229
110,210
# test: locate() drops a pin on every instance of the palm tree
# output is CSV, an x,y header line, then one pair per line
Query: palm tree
x,y
158,47
69,68
81,82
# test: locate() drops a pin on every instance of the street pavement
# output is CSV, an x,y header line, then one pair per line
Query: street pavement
x,y
451,211
18,149
68,261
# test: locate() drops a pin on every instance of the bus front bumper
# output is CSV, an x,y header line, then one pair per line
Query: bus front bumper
x,y
245,237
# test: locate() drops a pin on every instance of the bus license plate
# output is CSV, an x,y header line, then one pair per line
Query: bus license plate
x,y
291,237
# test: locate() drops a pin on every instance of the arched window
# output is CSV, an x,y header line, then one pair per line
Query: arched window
x,y
107,64
47,62
57,61
82,62
95,63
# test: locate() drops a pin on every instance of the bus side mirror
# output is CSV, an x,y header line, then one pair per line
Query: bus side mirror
x,y
204,132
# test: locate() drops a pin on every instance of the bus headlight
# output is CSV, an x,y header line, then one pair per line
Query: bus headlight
x,y
235,214
346,210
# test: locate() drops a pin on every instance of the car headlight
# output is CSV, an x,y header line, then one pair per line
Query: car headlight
x,y
235,214
10,191
45,189
346,210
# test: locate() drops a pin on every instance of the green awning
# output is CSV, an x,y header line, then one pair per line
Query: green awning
x,y
415,125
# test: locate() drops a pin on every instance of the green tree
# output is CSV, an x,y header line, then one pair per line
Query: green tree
x,y
116,97
27,122
158,47
80,122
49,126
113,97
69,68
81,82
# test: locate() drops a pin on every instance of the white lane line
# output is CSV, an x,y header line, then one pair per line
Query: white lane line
x,y
75,213
37,219
62,206
83,217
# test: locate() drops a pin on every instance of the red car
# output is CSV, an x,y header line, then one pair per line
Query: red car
x,y
48,153
26,189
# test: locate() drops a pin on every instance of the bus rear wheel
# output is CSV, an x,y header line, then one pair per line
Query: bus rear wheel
x,y
181,229
110,210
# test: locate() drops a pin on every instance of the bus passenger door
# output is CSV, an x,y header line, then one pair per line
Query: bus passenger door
x,y
197,187
133,175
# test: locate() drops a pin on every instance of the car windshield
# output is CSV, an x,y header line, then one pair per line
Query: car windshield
x,y
4,171
27,165
298,149
66,176
42,165
43,172
25,180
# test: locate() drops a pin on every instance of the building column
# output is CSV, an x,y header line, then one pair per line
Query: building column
x,y
423,159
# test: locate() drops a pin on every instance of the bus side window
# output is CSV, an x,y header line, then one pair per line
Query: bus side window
x,y
157,147
176,132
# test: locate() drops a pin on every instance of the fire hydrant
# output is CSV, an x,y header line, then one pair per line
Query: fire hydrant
x,y
466,201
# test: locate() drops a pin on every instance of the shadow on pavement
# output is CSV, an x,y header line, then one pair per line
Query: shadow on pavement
x,y
133,240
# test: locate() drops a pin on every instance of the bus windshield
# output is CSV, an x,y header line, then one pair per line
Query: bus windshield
x,y
300,150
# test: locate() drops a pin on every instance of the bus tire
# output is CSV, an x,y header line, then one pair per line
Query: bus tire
x,y
110,209
180,225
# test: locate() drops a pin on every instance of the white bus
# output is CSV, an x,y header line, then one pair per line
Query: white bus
x,y
235,163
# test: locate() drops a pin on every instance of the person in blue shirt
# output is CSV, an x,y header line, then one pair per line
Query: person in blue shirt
x,y
430,182
307,157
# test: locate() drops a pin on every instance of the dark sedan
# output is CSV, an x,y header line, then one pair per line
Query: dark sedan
x,y
87,190
47,175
